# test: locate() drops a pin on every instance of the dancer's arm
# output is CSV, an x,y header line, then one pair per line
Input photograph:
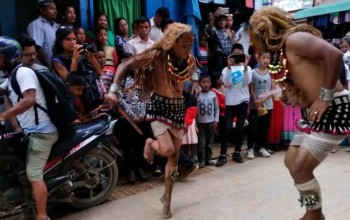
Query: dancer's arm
x,y
122,69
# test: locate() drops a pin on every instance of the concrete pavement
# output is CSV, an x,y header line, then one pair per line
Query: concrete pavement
x,y
257,189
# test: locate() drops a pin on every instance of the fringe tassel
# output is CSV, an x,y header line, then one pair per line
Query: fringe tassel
x,y
308,127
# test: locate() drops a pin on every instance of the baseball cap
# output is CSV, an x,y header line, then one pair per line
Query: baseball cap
x,y
44,2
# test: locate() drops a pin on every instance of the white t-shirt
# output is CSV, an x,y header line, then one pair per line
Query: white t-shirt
x,y
27,79
236,82
155,33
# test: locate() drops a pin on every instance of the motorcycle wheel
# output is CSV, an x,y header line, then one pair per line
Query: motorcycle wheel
x,y
96,159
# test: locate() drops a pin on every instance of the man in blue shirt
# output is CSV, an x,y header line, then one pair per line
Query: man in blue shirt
x,y
43,31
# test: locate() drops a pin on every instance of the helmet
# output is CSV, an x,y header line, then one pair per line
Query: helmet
x,y
12,51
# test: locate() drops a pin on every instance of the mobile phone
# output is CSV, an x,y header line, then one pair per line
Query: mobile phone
x,y
238,58
225,10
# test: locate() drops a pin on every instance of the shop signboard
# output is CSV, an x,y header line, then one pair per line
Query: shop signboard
x,y
293,5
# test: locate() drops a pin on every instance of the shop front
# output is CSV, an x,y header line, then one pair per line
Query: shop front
x,y
332,18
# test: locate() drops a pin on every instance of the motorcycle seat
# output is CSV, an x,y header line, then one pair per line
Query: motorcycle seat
x,y
79,133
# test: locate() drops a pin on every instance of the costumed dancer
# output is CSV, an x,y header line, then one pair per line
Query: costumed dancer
x,y
308,68
160,73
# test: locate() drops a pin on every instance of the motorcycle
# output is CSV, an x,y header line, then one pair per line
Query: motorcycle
x,y
80,171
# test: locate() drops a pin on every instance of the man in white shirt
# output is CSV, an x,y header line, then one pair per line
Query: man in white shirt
x,y
42,135
141,42
29,52
156,31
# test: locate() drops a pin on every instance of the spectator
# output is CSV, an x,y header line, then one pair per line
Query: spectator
x,y
43,30
186,162
106,75
207,121
111,53
219,89
221,41
142,42
100,21
42,135
138,45
156,32
345,44
203,54
229,29
29,53
80,35
121,29
236,78
260,108
229,25
76,85
72,58
135,32
130,139
165,23
67,16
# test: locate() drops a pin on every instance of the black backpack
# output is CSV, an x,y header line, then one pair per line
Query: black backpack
x,y
59,101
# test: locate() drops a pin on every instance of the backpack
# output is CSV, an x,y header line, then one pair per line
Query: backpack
x,y
59,101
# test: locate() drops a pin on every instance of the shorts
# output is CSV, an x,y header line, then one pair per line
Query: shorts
x,y
319,144
159,128
39,149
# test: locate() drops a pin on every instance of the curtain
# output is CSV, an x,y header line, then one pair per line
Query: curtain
x,y
129,9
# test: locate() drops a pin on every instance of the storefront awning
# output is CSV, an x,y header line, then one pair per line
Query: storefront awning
x,y
322,10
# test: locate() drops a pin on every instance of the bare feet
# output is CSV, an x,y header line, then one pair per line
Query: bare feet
x,y
148,151
166,208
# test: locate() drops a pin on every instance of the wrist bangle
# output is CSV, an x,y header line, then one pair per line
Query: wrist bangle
x,y
194,76
326,94
114,88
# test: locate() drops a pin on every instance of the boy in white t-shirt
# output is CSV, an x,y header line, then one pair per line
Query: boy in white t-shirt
x,y
236,78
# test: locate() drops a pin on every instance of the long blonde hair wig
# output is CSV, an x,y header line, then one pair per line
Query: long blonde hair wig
x,y
271,26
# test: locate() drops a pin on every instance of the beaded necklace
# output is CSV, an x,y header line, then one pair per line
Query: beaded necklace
x,y
176,72
278,68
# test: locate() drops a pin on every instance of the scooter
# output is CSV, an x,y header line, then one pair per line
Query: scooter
x,y
80,170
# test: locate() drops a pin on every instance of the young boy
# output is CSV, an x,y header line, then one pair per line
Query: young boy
x,y
207,121
106,75
76,85
260,108
236,78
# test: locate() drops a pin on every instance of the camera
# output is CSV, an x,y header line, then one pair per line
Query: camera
x,y
89,47
238,58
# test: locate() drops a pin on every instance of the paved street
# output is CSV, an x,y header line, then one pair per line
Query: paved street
x,y
258,189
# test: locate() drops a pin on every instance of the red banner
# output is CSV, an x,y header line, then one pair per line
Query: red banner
x,y
249,3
